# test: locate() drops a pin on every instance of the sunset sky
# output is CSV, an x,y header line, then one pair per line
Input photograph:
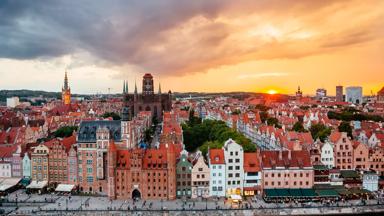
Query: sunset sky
x,y
199,45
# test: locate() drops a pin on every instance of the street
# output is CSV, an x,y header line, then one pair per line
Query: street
x,y
49,203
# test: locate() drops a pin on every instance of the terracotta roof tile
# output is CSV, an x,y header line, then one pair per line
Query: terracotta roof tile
x,y
216,156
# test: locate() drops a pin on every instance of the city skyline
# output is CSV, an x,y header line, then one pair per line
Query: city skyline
x,y
201,47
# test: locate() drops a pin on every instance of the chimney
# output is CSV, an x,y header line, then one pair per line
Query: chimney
x,y
289,155
280,154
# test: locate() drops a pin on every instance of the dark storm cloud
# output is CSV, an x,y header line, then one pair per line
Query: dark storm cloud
x,y
141,33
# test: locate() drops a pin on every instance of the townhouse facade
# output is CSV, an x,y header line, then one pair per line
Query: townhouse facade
x,y
234,160
287,169
217,180
200,178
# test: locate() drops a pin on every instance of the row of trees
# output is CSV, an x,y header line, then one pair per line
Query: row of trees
x,y
321,131
211,134
354,115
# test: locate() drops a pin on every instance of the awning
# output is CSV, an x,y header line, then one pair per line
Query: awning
x,y
64,188
292,192
327,193
37,184
6,183
235,197
307,192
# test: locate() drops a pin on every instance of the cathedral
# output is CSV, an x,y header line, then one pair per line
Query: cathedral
x,y
147,100
66,91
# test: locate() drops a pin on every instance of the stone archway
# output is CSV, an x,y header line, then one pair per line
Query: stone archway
x,y
136,194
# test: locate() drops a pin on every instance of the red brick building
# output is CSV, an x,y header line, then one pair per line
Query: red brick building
x,y
139,173
58,159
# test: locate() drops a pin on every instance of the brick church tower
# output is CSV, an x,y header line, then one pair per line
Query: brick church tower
x,y
66,91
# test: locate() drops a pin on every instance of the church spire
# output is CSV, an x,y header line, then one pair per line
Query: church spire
x,y
66,87
135,87
126,86
159,89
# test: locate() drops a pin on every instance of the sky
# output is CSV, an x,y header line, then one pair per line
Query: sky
x,y
199,45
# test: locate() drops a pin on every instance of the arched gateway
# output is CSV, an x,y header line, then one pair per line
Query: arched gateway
x,y
136,194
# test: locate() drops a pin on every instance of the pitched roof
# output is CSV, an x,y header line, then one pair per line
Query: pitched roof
x,y
7,151
87,130
381,92
251,162
335,136
216,156
271,159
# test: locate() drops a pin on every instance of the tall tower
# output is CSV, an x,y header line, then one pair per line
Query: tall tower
x,y
148,88
299,94
339,94
66,91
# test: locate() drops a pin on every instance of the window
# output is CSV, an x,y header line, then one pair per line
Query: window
x,y
90,179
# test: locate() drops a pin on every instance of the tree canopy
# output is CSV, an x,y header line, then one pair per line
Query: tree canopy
x,y
351,114
212,134
345,127
114,115
298,127
320,131
65,131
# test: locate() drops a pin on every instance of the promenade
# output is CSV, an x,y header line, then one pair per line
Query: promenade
x,y
88,205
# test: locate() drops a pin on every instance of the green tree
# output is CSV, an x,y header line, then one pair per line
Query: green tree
x,y
65,131
298,127
114,115
320,131
345,127
273,121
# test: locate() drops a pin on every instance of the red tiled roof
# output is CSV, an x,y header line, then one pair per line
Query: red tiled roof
x,y
298,159
7,151
216,156
335,136
154,156
251,162
381,92
68,142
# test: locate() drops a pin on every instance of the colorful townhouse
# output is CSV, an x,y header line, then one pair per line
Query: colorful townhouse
x,y
287,169
217,180
234,160
200,177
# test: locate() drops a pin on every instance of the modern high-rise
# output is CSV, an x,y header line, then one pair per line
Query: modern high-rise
x,y
339,93
354,94
321,93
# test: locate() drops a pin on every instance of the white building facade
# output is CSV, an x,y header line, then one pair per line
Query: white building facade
x,y
234,157
354,94
327,156
217,175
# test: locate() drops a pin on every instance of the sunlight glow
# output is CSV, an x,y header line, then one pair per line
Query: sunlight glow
x,y
272,92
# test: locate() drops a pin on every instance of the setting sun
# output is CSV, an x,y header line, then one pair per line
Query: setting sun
x,y
272,92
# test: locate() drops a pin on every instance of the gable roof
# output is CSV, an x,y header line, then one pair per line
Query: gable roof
x,y
251,162
271,159
216,156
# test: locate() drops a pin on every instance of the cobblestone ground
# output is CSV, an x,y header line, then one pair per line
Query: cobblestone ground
x,y
51,204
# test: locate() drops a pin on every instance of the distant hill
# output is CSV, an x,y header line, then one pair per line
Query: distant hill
x,y
23,94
